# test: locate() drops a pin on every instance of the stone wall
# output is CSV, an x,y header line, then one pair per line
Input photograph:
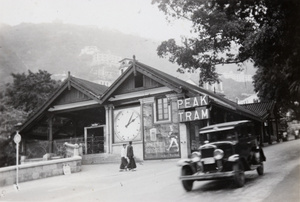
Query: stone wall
x,y
161,138
38,170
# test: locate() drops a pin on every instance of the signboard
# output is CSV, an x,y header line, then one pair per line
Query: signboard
x,y
199,113
192,102
66,169
198,108
17,138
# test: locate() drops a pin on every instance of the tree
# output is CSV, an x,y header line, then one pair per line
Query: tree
x,y
265,32
28,92
17,101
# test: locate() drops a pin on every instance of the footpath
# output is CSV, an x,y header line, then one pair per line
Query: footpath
x,y
89,177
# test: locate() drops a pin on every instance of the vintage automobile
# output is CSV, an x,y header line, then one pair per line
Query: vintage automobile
x,y
227,150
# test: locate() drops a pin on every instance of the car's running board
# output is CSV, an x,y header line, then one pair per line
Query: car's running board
x,y
207,176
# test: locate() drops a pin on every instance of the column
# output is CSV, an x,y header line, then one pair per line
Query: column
x,y
50,135
109,127
184,140
111,119
106,135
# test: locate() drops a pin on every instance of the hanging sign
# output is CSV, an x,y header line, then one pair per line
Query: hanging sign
x,y
197,109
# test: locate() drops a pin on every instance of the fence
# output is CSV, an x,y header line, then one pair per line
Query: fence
x,y
37,148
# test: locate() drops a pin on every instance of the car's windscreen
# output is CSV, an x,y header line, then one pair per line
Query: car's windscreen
x,y
225,135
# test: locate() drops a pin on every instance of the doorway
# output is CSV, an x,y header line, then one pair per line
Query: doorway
x,y
94,139
195,139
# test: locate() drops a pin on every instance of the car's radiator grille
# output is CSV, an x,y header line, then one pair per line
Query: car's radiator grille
x,y
209,152
210,167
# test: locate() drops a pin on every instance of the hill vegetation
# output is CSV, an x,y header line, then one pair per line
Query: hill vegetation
x,y
55,47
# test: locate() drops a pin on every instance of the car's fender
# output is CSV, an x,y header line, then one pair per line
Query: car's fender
x,y
183,162
234,158
190,167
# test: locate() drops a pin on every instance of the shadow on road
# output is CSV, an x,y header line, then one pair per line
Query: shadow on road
x,y
227,184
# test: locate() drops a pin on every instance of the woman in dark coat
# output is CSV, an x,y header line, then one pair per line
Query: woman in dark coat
x,y
130,155
124,158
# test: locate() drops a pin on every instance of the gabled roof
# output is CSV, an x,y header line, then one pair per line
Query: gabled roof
x,y
94,89
178,86
90,89
262,109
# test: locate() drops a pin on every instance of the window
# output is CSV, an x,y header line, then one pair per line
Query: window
x,y
162,109
138,80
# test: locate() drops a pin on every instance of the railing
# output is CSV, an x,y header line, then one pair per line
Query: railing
x,y
59,148
95,145
73,149
36,149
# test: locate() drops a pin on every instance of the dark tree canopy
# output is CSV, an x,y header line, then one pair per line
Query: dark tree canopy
x,y
266,32
28,92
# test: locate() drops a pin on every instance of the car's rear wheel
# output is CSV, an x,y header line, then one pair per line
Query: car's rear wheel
x,y
187,184
260,169
239,174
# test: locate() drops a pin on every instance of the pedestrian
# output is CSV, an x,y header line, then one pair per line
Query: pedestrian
x,y
124,158
131,164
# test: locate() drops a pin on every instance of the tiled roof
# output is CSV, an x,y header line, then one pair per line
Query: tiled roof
x,y
195,90
93,88
262,109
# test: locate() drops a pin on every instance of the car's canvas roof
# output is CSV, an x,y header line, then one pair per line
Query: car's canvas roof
x,y
222,126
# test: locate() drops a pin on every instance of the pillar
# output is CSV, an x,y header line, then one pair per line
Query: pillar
x,y
50,135
184,140
109,127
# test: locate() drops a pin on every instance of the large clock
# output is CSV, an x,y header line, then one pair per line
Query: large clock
x,y
127,124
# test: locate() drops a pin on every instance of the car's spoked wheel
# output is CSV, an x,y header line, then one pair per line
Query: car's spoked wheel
x,y
239,174
187,184
260,169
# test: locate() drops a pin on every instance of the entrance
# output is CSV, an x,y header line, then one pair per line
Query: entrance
x,y
94,139
195,140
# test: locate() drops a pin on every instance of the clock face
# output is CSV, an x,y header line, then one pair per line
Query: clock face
x,y
127,124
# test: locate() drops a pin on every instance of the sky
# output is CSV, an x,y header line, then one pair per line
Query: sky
x,y
137,17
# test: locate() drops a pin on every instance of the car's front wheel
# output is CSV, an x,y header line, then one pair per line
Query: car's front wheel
x,y
239,174
260,169
187,184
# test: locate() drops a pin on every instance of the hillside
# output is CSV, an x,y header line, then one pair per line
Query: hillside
x,y
234,90
56,48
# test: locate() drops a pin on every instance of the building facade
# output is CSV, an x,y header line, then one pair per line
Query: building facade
x,y
159,113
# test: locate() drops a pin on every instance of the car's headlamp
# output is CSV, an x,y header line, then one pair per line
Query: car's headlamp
x,y
218,154
196,156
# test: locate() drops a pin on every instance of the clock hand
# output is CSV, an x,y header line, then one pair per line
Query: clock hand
x,y
134,119
129,121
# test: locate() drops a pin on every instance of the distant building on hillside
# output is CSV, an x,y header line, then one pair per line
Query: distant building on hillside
x,y
103,67
104,58
89,50
249,100
216,87
240,77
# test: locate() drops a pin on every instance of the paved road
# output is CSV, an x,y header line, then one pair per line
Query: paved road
x,y
288,189
158,181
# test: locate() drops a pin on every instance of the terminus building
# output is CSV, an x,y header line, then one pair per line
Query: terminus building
x,y
159,113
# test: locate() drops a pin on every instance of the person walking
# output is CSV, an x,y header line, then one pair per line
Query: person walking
x,y
124,158
131,164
